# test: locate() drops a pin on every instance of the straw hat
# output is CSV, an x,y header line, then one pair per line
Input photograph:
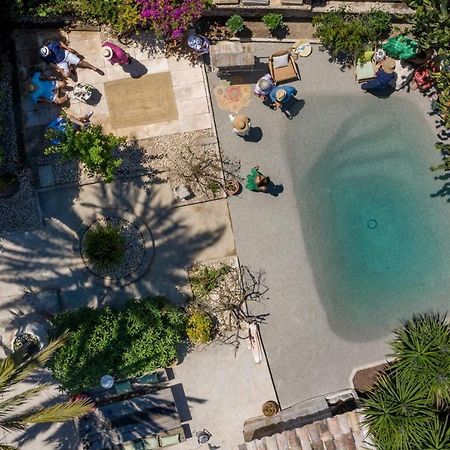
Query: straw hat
x,y
107,52
388,65
240,123
45,51
280,95
302,48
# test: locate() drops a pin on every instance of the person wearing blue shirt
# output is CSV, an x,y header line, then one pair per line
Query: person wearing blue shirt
x,y
58,126
282,97
63,58
46,89
383,78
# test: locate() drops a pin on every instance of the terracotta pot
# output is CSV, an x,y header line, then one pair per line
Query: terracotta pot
x,y
232,187
270,408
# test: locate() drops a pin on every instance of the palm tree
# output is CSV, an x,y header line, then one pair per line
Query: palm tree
x,y
422,353
16,368
395,413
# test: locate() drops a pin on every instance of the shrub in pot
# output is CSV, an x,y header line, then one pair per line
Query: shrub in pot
x,y
235,23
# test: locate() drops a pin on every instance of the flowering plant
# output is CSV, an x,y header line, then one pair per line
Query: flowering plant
x,y
171,18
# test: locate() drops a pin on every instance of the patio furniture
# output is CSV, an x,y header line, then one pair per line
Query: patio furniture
x,y
365,67
282,67
232,56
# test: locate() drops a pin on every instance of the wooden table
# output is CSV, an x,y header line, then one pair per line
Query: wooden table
x,y
231,54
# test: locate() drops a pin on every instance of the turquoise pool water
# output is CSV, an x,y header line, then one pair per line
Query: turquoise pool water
x,y
376,233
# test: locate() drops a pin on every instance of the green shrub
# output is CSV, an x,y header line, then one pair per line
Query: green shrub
x,y
141,338
347,36
273,21
200,328
235,23
104,245
206,279
91,147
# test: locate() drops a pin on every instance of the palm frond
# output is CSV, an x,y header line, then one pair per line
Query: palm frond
x,y
16,367
437,435
7,447
9,404
56,413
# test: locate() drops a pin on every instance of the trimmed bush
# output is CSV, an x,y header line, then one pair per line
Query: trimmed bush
x,y
273,21
235,23
141,338
104,245
200,328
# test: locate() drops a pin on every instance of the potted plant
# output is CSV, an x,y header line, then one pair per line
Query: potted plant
x,y
232,186
270,408
274,22
9,183
235,24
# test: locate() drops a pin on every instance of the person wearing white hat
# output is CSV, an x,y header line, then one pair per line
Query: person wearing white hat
x,y
63,58
241,124
114,54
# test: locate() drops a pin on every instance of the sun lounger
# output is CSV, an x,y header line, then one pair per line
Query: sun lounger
x,y
365,67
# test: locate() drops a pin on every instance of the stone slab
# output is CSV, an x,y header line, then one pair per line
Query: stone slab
x,y
46,176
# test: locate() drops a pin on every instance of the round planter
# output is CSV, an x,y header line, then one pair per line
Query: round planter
x,y
9,184
270,408
232,187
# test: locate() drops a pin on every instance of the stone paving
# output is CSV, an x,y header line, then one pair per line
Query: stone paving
x,y
41,271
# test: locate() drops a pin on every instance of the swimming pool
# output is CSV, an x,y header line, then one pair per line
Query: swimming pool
x,y
375,229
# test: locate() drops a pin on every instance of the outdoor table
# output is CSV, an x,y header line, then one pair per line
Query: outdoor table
x,y
230,54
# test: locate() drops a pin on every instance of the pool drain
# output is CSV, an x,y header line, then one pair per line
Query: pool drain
x,y
372,223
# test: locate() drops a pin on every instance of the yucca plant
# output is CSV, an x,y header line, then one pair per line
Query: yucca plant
x,y
396,411
16,368
422,353
436,436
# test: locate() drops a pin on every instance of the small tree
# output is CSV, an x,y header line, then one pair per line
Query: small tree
x,y
273,21
90,146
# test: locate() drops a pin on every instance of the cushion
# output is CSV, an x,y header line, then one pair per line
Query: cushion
x,y
365,71
149,378
128,446
280,61
123,388
404,73
150,443
366,57
135,445
169,440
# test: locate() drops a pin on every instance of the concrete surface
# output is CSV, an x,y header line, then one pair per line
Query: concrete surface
x,y
307,358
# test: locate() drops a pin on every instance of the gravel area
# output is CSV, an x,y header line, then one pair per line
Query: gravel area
x,y
174,158
224,298
19,212
134,249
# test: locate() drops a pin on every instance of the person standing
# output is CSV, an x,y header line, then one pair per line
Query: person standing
x,y
114,54
283,97
63,58
241,124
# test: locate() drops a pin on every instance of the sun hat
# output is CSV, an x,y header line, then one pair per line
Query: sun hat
x,y
240,123
107,52
388,65
264,84
280,95
45,51
302,48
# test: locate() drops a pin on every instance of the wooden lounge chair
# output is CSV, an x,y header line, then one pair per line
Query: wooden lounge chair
x,y
282,67
365,67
